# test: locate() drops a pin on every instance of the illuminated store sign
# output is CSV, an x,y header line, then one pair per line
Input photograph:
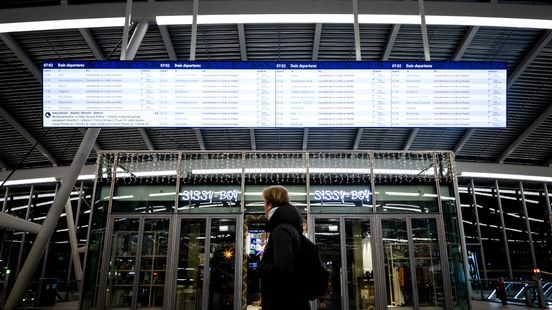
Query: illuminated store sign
x,y
342,195
210,196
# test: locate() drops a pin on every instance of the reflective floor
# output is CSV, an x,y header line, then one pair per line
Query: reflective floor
x,y
477,305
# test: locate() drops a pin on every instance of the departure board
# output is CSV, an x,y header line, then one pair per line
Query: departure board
x,y
273,94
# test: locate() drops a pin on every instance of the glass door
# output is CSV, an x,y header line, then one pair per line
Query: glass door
x,y
137,263
409,273
345,246
206,265
413,265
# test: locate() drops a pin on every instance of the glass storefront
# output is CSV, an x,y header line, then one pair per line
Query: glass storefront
x,y
186,230
347,199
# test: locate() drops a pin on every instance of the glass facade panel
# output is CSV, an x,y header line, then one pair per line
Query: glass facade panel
x,y
222,264
406,198
427,260
360,266
397,263
122,264
144,198
405,182
516,231
191,264
327,237
454,248
255,240
541,227
254,197
153,263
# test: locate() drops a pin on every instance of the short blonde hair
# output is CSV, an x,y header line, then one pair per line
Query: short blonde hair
x,y
276,195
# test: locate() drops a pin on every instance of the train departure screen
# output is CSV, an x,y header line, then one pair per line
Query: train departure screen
x,y
273,94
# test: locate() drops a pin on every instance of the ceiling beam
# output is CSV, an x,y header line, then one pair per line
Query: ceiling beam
x,y
136,39
168,42
243,42
390,42
97,147
537,48
91,43
253,140
463,140
411,138
17,126
536,123
316,41
520,69
146,138
465,43
132,48
23,57
360,131
199,137
356,31
425,39
305,139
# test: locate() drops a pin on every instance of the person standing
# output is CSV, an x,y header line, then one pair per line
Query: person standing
x,y
279,281
501,291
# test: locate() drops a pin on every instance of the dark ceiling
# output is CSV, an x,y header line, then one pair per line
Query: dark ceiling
x,y
25,143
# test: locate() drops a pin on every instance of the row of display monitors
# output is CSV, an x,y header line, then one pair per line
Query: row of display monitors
x,y
273,94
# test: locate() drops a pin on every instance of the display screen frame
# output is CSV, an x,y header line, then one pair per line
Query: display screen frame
x,y
272,96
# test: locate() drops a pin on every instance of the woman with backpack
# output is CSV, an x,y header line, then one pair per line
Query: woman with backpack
x,y
280,283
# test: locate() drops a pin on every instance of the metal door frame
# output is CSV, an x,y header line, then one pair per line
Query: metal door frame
x,y
106,253
238,250
378,257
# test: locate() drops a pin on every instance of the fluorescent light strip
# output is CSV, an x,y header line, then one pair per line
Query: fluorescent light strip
x,y
402,194
505,176
489,21
362,19
256,19
63,24
161,194
30,181
314,170
388,19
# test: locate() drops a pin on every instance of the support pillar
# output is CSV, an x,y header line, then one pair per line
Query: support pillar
x,y
73,241
49,225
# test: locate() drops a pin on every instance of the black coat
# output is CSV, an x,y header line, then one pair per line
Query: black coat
x,y
280,288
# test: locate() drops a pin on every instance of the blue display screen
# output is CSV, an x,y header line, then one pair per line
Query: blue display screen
x,y
274,94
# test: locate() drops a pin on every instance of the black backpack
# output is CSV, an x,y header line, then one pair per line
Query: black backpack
x,y
309,270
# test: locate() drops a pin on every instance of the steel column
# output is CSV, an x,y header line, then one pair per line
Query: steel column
x,y
73,240
482,253
126,29
528,225
5,202
8,221
504,234
24,235
356,29
49,225
548,208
